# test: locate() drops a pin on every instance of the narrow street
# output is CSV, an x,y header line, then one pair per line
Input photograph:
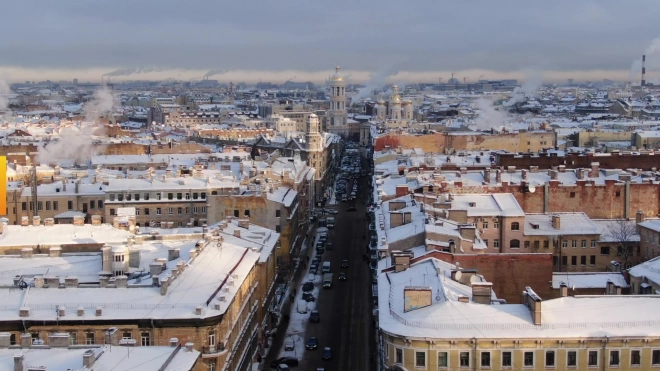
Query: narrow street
x,y
346,309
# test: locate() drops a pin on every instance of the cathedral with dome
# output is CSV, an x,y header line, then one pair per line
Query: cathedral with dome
x,y
396,112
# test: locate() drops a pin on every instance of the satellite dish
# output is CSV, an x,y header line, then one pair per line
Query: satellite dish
x,y
532,189
474,279
38,282
458,275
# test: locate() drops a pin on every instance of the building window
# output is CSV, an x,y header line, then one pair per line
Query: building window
x,y
496,243
247,213
550,358
515,244
170,210
515,226
195,210
47,205
187,196
528,359
443,359
211,365
73,338
571,358
211,338
486,243
277,213
485,225
464,359
604,250
127,335
119,258
203,209
398,356
170,196
527,244
112,212
146,211
179,196
573,260
111,196
120,197
236,213
12,339
158,196
89,338
179,210
420,359
583,260
100,204
593,243
572,194
203,195
145,339
574,243
592,260
655,357
536,244
158,211
635,358
506,359
92,204
614,357
564,244
485,359
583,244
195,195
137,212
24,206
593,358
137,197
278,229
40,205
496,224
128,197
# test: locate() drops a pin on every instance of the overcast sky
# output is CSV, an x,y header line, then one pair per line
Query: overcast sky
x,y
561,37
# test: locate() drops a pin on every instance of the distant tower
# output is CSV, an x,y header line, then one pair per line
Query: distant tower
x,y
643,70
337,115
75,82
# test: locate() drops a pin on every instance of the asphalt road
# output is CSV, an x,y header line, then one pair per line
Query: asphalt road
x,y
346,309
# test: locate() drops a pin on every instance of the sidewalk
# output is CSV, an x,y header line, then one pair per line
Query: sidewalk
x,y
277,340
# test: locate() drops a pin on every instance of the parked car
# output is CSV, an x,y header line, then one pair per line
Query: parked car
x,y
314,316
289,345
308,286
283,367
327,353
314,268
312,343
344,263
351,208
307,296
289,361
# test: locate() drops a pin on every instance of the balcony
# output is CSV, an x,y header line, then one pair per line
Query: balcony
x,y
213,351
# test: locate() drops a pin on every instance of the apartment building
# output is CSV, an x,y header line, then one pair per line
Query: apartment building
x,y
441,321
166,201
214,290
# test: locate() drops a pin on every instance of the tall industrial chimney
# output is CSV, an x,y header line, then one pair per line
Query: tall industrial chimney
x,y
643,70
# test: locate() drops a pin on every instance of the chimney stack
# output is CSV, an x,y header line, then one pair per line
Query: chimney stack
x,y
643,70
563,289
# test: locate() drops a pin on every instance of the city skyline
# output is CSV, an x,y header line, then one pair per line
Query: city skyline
x,y
297,39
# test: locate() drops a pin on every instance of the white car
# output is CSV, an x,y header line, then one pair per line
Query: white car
x,y
331,211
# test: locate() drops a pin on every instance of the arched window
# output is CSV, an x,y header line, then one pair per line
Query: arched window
x,y
515,226
515,244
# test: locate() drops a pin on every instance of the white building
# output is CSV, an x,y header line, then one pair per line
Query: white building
x,y
337,115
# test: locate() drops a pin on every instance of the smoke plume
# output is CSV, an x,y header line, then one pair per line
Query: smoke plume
x,y
134,71
4,96
489,116
215,72
533,81
74,143
102,101
376,81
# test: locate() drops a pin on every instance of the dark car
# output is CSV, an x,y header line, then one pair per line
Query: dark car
x,y
308,286
289,361
308,297
351,208
344,263
316,260
320,250
313,268
342,276
312,343
314,316
329,246
327,353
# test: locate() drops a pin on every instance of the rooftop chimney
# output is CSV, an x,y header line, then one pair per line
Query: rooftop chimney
x,y
482,292
563,289
533,302
643,70
556,222
18,362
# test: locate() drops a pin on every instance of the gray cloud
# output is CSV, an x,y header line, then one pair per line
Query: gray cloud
x,y
504,35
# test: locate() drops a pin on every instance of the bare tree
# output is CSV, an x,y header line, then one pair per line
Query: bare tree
x,y
624,233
